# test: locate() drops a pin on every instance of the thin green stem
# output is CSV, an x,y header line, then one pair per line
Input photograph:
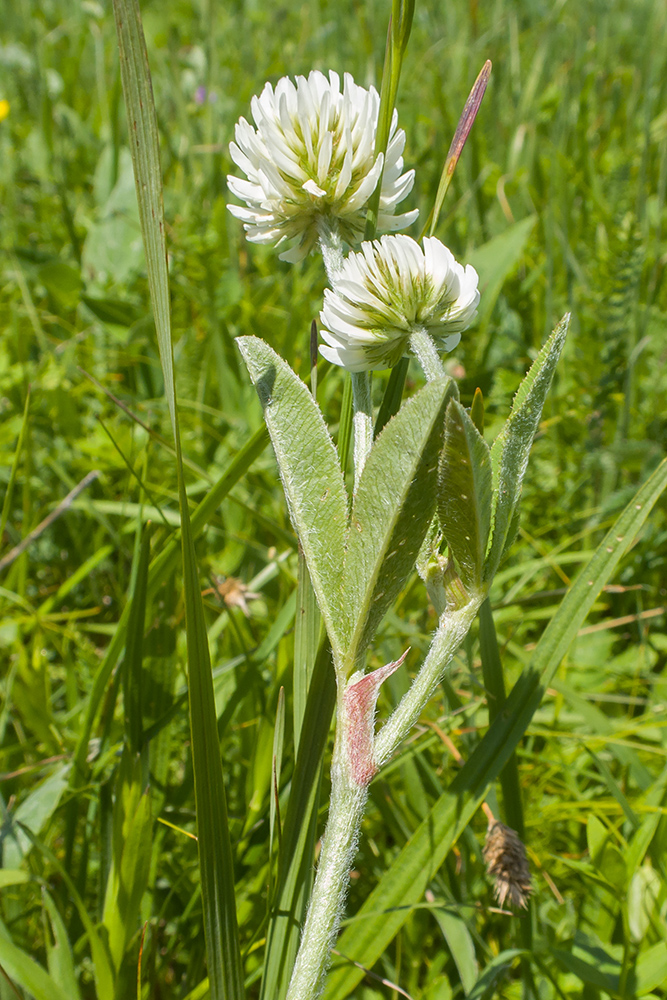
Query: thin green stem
x,y
362,421
393,395
427,354
494,684
345,424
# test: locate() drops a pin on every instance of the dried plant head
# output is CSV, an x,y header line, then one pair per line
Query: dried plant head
x,y
507,864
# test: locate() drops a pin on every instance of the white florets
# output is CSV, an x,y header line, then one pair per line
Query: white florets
x,y
390,290
311,160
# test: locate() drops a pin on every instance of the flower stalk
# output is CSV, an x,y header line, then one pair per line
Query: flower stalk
x,y
423,347
346,810
362,421
452,630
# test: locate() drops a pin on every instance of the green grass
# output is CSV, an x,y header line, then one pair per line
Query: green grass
x,y
572,137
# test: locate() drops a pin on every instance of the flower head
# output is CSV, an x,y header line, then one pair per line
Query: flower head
x,y
387,292
311,159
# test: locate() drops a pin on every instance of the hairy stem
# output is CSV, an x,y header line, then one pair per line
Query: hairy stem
x,y
331,246
427,354
362,421
346,810
451,632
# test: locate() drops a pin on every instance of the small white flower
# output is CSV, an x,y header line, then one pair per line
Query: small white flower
x,y
387,292
311,159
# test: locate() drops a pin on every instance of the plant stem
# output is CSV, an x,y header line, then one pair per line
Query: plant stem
x,y
393,395
494,684
331,246
346,810
362,421
427,354
453,628
345,425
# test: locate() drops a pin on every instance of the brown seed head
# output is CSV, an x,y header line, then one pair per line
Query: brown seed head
x,y
506,861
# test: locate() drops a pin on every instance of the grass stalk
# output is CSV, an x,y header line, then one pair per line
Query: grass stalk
x,y
496,696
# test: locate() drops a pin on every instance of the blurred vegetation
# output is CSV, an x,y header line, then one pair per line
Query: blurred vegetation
x,y
559,200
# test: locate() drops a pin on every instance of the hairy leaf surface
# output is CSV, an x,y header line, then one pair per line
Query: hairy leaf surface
x,y
309,470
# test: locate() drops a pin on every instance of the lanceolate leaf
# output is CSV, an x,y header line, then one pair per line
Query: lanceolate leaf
x,y
511,448
389,905
392,510
310,473
464,493
131,849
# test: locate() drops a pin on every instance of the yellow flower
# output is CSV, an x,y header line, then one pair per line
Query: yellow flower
x,y
4,109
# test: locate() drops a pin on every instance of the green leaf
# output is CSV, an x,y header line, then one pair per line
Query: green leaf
x,y
641,838
642,901
13,876
115,311
464,493
32,814
485,987
59,953
133,664
104,977
460,944
214,847
310,474
603,972
651,968
27,973
162,565
403,884
276,764
131,855
392,510
9,489
511,448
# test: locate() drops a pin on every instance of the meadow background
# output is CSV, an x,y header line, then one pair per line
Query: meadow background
x,y
559,200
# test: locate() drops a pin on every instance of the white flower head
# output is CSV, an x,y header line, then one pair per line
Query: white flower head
x,y
311,159
387,292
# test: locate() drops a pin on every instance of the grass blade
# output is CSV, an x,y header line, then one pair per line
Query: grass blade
x,y
132,666
215,854
27,973
306,642
9,491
